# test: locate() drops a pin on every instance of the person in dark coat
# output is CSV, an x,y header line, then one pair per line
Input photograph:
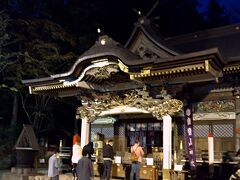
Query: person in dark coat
x,y
89,149
108,157
84,167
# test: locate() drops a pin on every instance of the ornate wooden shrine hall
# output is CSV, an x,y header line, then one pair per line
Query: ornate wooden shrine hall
x,y
140,90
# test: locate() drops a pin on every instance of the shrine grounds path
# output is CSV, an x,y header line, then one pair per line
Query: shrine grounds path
x,y
7,175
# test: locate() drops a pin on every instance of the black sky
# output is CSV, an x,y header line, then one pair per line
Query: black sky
x,y
116,18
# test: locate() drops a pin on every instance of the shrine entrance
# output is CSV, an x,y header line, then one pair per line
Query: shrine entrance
x,y
134,102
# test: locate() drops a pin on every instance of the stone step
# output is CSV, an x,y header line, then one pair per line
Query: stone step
x,y
16,176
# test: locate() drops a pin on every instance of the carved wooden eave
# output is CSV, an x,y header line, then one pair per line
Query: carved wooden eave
x,y
232,68
139,99
107,66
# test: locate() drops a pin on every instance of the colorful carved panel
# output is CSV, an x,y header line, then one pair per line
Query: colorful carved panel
x,y
214,106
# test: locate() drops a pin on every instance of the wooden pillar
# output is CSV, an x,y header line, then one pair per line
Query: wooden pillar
x,y
85,132
237,122
167,146
175,142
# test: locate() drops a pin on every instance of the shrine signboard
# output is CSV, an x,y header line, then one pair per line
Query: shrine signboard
x,y
190,147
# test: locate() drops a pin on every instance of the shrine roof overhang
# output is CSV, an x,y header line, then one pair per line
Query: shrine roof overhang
x,y
225,38
105,52
203,65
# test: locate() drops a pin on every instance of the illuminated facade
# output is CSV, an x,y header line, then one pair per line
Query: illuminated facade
x,y
150,77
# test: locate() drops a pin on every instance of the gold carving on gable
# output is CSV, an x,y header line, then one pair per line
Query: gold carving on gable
x,y
104,72
136,98
146,53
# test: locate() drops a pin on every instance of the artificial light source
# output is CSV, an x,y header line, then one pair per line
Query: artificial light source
x,y
98,30
103,41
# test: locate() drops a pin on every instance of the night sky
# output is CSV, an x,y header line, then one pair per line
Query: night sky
x,y
116,18
231,7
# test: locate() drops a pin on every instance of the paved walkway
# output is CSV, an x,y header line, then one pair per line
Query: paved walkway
x,y
7,175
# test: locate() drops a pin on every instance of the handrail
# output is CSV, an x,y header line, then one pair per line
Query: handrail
x,y
65,152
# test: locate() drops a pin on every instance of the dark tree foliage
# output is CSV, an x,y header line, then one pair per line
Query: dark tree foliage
x,y
31,48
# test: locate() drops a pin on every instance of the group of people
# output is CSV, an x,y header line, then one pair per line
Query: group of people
x,y
81,161
108,158
82,164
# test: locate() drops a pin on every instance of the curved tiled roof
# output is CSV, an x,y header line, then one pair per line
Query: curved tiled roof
x,y
104,47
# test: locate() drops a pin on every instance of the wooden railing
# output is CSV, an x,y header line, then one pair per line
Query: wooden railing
x,y
219,156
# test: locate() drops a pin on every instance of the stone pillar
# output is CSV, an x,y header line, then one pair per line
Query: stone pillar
x,y
237,123
85,132
167,146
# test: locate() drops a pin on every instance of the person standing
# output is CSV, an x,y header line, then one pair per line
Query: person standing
x,y
135,167
89,149
84,167
76,137
53,166
76,156
108,157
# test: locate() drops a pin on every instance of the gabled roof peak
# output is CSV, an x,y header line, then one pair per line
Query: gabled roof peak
x,y
145,27
143,20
